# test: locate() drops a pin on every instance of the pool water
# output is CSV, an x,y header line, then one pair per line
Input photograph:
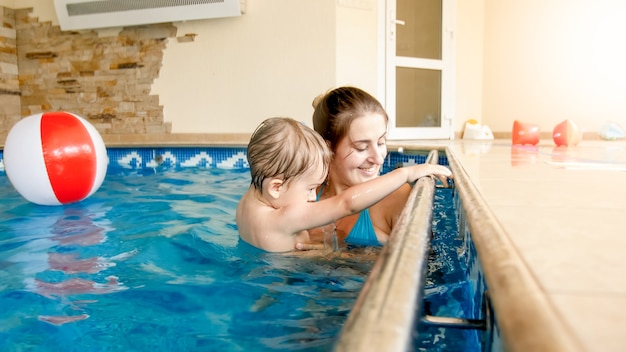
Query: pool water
x,y
454,285
152,261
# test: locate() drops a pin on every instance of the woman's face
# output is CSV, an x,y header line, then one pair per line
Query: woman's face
x,y
360,154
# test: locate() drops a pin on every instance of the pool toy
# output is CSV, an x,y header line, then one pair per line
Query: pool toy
x,y
474,130
566,134
525,133
611,131
55,158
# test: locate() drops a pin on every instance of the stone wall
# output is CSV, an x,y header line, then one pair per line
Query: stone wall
x,y
9,83
106,80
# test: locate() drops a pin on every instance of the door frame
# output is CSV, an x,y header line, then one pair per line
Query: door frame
x,y
387,72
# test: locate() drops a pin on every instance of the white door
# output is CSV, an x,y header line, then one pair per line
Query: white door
x,y
420,68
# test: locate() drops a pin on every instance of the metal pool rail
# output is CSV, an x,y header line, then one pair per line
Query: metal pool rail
x,y
384,315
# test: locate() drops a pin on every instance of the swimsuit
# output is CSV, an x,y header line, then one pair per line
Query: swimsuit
x,y
362,233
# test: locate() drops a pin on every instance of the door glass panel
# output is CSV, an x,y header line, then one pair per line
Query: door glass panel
x,y
418,97
420,36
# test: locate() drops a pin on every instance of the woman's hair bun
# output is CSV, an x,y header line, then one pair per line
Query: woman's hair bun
x,y
317,99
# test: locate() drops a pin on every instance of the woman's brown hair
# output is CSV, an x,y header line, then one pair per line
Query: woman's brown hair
x,y
336,109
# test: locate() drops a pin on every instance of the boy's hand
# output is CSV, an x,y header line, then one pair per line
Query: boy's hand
x,y
439,171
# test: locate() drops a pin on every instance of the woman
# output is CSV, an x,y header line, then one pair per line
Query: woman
x,y
354,124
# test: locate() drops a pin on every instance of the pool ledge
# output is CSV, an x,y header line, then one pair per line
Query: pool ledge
x,y
176,139
383,317
527,319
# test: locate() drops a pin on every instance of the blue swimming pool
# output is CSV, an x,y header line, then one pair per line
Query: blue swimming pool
x,y
152,261
454,286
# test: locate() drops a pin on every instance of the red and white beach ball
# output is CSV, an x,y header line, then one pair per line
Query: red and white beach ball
x,y
55,158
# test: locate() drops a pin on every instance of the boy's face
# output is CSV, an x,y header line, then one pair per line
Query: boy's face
x,y
303,188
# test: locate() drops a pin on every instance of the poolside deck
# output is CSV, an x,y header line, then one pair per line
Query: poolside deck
x,y
564,211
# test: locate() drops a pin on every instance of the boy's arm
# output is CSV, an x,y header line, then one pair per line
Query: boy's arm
x,y
366,194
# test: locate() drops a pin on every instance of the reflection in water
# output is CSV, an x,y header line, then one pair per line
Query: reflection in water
x,y
65,250
70,264
59,320
524,155
75,227
74,287
471,147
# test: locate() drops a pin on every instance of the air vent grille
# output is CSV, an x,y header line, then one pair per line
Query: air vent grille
x,y
91,14
106,6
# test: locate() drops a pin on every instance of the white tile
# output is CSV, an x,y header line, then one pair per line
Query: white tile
x,y
564,210
598,321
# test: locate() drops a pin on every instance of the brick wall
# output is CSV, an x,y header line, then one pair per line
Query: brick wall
x,y
106,80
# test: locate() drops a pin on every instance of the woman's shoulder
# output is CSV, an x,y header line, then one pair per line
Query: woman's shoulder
x,y
385,214
391,206
398,197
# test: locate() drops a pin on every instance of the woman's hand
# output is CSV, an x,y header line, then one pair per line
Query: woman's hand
x,y
309,246
320,238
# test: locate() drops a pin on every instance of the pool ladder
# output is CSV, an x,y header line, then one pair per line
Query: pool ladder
x,y
384,315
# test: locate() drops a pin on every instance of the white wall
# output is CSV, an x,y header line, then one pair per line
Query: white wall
x,y
469,61
271,61
357,46
546,61
534,60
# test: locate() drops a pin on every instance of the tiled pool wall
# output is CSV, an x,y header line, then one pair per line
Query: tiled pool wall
x,y
164,158
479,299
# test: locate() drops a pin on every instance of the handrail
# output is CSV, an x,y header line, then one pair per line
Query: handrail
x,y
384,315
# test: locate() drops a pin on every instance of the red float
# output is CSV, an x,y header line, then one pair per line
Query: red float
x,y
566,134
525,133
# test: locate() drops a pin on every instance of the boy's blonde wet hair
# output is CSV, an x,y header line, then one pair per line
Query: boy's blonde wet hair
x,y
284,148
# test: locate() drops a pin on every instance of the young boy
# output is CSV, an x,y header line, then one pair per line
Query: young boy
x,y
288,162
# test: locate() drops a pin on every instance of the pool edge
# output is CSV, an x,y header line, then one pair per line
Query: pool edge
x,y
526,317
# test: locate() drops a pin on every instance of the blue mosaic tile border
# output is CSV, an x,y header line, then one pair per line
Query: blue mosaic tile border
x,y
177,157
164,158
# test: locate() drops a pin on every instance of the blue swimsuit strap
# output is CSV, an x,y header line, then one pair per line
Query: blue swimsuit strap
x,y
319,194
362,233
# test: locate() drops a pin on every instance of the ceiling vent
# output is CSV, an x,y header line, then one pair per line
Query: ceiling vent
x,y
90,14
